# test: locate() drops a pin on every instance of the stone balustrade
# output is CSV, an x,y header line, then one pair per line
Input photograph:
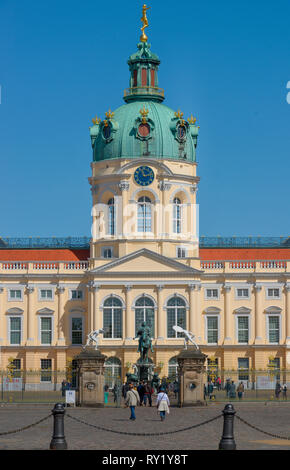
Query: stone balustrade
x,y
32,267
251,266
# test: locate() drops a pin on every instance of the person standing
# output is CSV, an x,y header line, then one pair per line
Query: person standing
x,y
227,387
210,389
240,390
132,400
162,403
147,394
141,390
232,391
106,393
277,390
284,391
219,383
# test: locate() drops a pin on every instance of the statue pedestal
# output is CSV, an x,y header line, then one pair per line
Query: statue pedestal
x,y
145,370
90,372
192,377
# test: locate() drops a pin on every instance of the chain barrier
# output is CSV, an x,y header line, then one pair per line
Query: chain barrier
x,y
260,430
143,434
25,427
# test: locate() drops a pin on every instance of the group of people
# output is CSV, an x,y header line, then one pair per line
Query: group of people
x,y
279,389
141,394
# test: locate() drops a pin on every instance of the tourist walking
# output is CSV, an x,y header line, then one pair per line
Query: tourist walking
x,y
106,393
148,394
284,391
219,383
277,390
141,391
132,400
162,403
232,391
240,390
210,389
227,387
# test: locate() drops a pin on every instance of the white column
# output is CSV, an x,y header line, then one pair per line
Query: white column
x,y
60,326
29,317
129,322
227,315
287,313
160,323
258,315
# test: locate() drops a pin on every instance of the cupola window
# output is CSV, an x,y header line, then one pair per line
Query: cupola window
x,y
111,218
107,132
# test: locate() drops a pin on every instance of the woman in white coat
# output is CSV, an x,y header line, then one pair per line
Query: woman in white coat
x,y
162,403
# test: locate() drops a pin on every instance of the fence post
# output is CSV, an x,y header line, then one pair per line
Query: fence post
x,y
227,441
58,441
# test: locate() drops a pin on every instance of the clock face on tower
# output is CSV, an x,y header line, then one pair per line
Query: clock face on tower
x,y
144,175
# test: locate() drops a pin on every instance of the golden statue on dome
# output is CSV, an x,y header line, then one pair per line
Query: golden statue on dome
x,y
144,20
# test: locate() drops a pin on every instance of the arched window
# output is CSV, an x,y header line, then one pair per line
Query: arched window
x,y
176,315
111,216
173,368
112,318
113,371
144,214
144,311
177,215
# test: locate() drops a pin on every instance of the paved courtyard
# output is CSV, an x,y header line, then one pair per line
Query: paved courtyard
x,y
273,418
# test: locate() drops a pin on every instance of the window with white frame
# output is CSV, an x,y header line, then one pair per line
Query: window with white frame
x,y
273,293
45,365
45,330
15,294
176,315
212,323
242,293
16,363
144,212
112,318
111,218
107,252
15,328
243,368
181,252
77,294
76,330
243,329
173,368
273,329
45,294
212,294
177,215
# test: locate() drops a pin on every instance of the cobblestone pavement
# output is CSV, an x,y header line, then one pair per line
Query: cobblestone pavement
x,y
273,418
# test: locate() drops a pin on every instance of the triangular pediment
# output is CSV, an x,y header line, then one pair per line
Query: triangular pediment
x,y
144,261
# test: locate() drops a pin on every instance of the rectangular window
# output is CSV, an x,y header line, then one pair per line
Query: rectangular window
x,y
274,329
243,330
243,367
274,368
243,293
274,293
45,365
77,331
15,294
17,368
181,252
15,330
135,77
46,330
152,72
212,293
46,294
76,294
107,252
212,330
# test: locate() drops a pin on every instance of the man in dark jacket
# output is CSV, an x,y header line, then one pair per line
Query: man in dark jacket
x,y
147,394
141,391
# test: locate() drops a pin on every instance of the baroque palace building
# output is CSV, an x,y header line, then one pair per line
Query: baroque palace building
x,y
145,261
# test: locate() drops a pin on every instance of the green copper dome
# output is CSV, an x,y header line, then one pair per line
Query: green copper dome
x,y
144,127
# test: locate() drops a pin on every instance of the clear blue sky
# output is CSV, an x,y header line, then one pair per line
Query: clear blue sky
x,y
63,62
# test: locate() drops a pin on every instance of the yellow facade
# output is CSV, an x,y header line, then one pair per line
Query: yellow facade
x,y
146,265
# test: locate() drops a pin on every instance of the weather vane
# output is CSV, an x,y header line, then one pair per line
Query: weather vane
x,y
144,20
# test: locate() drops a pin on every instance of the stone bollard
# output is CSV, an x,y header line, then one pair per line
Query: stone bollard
x,y
227,441
58,441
